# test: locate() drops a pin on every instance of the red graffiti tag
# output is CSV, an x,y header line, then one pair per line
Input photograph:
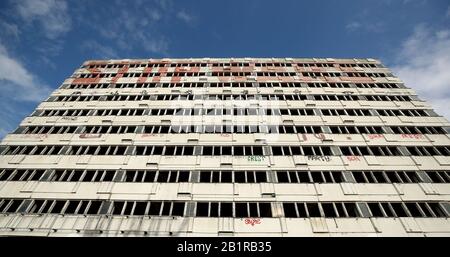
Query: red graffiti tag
x,y
412,136
373,136
90,135
250,221
353,158
148,135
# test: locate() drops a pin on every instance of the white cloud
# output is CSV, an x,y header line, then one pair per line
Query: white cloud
x,y
17,82
53,15
184,16
423,64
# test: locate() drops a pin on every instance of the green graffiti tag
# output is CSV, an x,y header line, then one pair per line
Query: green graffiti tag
x,y
255,158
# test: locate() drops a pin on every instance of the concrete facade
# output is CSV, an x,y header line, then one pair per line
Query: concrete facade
x,y
228,147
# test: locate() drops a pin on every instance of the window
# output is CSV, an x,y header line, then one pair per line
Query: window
x,y
439,176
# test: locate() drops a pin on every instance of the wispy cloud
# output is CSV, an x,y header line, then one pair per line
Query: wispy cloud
x,y
423,63
52,15
354,25
154,14
405,2
165,5
184,16
20,87
39,25
160,45
9,30
145,25
375,27
48,49
101,51
365,21
10,112
142,32
17,82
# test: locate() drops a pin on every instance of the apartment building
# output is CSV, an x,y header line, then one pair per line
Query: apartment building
x,y
228,147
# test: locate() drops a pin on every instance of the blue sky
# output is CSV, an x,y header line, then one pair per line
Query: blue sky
x,y
43,41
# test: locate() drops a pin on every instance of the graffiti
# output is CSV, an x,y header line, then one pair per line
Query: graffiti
x,y
353,158
255,158
253,222
149,135
374,136
90,135
320,136
412,136
38,136
69,118
319,158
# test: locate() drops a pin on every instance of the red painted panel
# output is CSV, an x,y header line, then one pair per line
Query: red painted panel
x,y
119,74
144,79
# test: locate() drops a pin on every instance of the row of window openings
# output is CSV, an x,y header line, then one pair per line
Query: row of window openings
x,y
232,111
92,207
132,176
226,209
228,150
231,64
365,112
362,177
229,84
393,151
138,208
282,129
237,74
226,176
370,209
293,97
157,129
205,150
232,150
183,97
95,176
